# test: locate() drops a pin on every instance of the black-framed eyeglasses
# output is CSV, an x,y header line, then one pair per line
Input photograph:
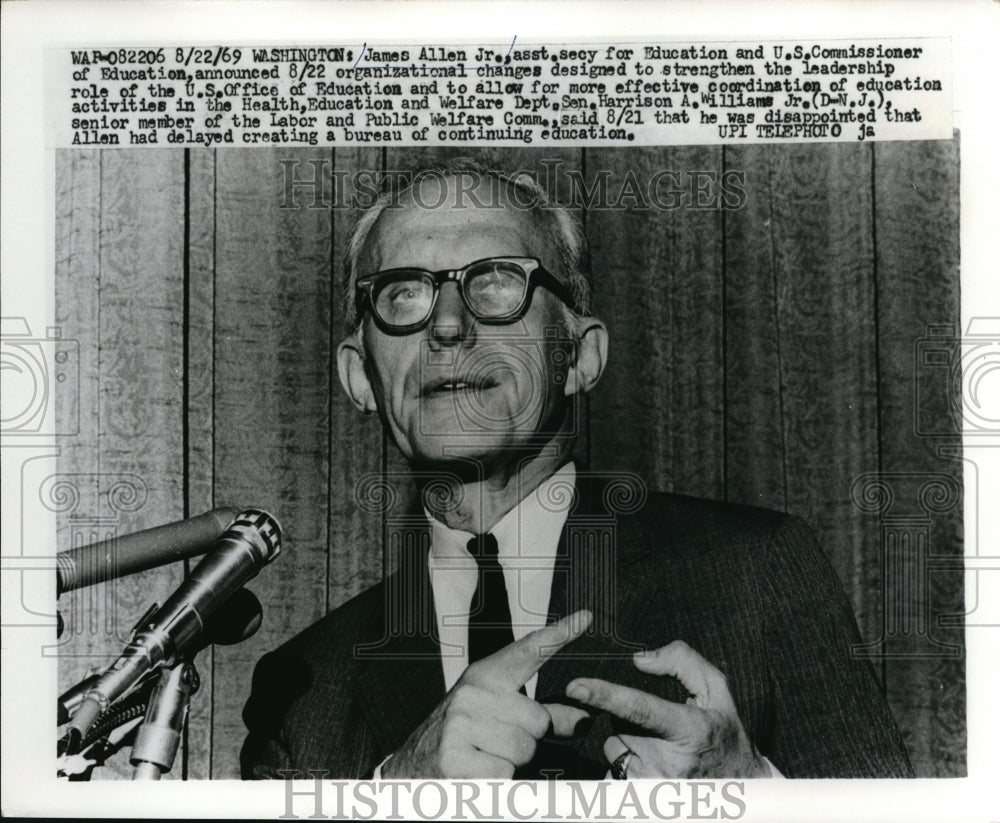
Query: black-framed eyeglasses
x,y
495,290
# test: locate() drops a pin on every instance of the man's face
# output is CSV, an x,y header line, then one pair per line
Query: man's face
x,y
461,389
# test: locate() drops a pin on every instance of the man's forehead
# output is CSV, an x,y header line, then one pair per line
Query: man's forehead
x,y
447,217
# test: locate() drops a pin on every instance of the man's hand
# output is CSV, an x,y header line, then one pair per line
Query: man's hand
x,y
485,727
702,738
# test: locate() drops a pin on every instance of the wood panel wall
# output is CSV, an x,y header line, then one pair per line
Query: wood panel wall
x,y
763,355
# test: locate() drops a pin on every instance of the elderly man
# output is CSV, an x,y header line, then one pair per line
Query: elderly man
x,y
541,621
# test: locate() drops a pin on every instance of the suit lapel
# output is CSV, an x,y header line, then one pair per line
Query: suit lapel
x,y
400,679
595,554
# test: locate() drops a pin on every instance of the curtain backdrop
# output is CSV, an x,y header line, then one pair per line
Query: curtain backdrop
x,y
770,354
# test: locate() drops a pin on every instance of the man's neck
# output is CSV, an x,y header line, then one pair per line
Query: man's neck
x,y
477,505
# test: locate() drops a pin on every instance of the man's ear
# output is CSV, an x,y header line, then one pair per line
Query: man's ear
x,y
353,377
591,356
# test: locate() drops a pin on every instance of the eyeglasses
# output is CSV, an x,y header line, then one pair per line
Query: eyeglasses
x,y
495,290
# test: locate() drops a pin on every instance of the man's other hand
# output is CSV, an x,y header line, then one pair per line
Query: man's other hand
x,y
485,727
702,738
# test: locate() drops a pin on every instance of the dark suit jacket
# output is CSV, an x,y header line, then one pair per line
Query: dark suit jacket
x,y
747,588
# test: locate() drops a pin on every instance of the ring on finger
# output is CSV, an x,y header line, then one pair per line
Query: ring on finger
x,y
619,769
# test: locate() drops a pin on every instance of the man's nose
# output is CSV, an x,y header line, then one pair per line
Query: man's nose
x,y
451,323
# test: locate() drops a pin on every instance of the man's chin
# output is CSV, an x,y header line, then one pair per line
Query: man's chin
x,y
452,452
447,436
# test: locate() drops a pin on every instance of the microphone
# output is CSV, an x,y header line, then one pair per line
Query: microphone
x,y
121,556
235,621
160,733
251,542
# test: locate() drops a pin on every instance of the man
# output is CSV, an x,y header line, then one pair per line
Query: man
x,y
544,622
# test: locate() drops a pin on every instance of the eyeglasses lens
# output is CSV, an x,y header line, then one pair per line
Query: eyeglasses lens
x,y
403,300
493,288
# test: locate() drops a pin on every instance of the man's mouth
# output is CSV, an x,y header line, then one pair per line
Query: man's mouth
x,y
445,386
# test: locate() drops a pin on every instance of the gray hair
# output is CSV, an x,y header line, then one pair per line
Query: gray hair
x,y
560,226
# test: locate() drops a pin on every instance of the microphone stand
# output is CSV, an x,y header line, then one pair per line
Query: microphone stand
x,y
157,737
164,704
160,732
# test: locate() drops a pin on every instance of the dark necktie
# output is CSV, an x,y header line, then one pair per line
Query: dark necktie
x,y
489,631
489,611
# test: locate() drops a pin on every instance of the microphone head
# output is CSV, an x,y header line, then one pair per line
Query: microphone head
x,y
260,529
235,621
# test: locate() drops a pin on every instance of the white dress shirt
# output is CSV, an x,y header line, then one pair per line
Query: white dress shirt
x,y
527,539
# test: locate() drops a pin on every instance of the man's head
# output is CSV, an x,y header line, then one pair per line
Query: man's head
x,y
480,363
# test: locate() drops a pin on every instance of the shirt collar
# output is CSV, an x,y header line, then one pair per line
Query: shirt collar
x,y
530,529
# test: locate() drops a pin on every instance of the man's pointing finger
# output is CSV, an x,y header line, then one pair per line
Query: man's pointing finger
x,y
514,665
672,721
